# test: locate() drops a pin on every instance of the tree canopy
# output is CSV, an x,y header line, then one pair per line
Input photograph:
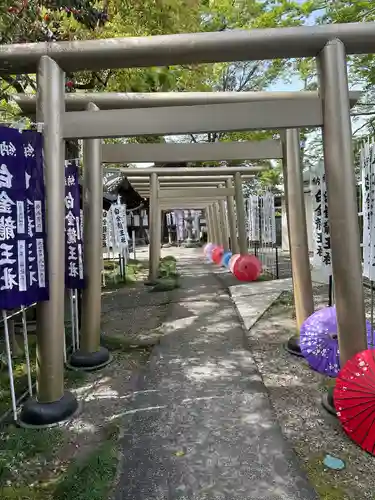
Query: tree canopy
x,y
24,21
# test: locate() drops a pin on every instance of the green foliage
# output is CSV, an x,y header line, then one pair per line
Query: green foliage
x,y
91,477
361,67
27,21
270,179
168,278
168,258
166,268
166,285
19,446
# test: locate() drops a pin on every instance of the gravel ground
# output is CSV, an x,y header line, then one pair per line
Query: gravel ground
x,y
134,312
295,392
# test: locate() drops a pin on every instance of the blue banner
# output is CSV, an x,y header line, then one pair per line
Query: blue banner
x,y
73,228
23,274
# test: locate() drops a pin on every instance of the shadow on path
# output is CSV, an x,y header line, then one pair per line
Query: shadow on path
x,y
201,425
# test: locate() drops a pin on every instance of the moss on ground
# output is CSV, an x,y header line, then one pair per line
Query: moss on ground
x,y
19,373
134,271
285,299
264,277
166,285
90,477
327,384
23,454
26,455
168,277
324,480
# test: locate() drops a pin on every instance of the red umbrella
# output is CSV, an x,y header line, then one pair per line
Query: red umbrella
x,y
354,398
233,260
217,255
247,268
209,252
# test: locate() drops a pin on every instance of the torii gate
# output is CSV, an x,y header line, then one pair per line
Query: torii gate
x,y
328,43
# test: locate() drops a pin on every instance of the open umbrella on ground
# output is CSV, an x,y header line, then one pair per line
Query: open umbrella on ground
x,y
207,248
247,268
217,254
233,260
354,398
209,252
319,341
226,258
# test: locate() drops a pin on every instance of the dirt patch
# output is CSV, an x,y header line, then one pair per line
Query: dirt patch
x,y
134,314
295,391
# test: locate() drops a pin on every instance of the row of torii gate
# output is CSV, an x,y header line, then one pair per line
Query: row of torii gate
x,y
92,117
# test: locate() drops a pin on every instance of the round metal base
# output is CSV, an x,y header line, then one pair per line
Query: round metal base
x,y
41,415
89,361
293,346
328,402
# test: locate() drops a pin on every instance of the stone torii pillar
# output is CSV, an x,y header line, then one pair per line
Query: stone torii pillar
x,y
90,355
223,225
298,242
241,221
342,200
232,220
155,228
52,404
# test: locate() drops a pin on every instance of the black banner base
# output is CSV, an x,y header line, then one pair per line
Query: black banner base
x,y
293,346
42,415
89,361
328,402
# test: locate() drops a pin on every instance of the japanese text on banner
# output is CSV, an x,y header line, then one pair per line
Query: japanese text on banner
x,y
321,234
253,217
268,218
74,277
120,225
23,275
368,207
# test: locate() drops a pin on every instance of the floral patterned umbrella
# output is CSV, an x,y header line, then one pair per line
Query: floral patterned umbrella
x,y
319,342
354,398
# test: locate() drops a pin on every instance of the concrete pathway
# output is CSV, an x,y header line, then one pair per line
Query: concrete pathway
x,y
200,425
253,300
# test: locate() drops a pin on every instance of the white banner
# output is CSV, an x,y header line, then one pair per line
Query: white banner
x,y
196,222
144,218
109,237
321,235
136,220
268,218
120,228
253,217
368,206
115,228
180,224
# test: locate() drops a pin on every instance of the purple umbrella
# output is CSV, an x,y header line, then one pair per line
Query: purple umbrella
x,y
319,342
